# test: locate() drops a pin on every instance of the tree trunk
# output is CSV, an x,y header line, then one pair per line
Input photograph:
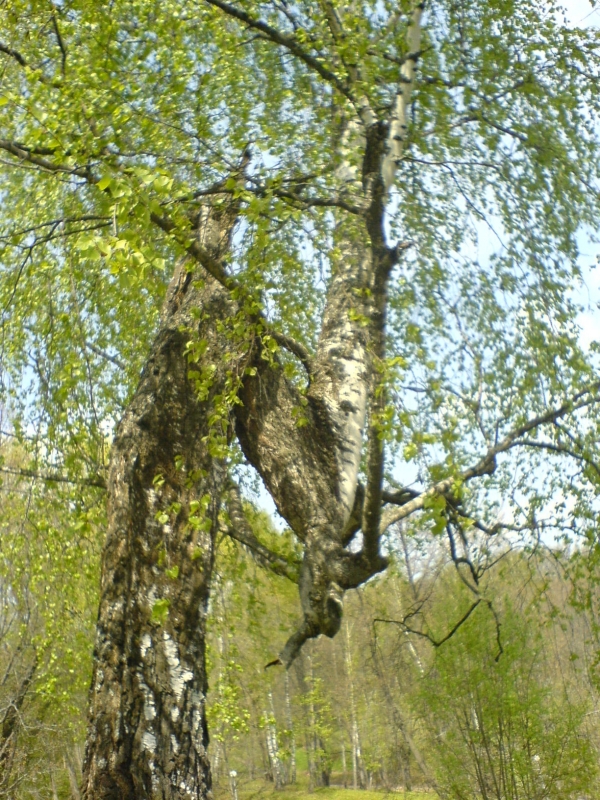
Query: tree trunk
x,y
273,745
291,736
216,765
147,734
357,768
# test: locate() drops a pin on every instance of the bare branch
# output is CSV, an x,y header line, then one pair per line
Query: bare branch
x,y
103,354
424,635
54,223
562,450
456,627
334,201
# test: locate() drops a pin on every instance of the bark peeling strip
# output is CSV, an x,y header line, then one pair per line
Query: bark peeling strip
x,y
149,704
149,741
179,676
145,644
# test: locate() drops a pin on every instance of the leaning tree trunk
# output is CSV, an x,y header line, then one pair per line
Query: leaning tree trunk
x,y
147,734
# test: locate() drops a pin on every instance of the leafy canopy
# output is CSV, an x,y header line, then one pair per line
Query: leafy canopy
x,y
117,121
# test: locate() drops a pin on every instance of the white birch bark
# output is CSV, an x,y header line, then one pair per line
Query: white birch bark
x,y
399,125
289,721
273,745
233,784
344,366
216,764
354,734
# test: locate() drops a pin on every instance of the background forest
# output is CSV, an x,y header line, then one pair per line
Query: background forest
x,y
497,701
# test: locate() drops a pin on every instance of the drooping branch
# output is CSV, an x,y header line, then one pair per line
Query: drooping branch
x,y
241,530
294,645
315,481
436,643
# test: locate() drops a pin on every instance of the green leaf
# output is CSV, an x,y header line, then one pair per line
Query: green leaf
x,y
160,611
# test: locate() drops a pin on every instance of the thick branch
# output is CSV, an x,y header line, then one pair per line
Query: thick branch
x,y
293,645
242,532
211,264
297,348
400,497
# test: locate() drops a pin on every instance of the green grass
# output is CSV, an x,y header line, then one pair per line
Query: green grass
x,y
260,790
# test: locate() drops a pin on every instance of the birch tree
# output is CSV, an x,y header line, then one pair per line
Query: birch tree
x,y
332,243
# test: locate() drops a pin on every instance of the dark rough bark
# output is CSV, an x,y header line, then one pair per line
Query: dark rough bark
x,y
147,731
